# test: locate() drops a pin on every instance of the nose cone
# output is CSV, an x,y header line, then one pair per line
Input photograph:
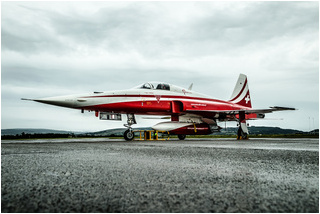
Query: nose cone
x,y
64,101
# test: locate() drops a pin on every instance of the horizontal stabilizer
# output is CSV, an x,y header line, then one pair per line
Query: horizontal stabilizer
x,y
266,118
279,108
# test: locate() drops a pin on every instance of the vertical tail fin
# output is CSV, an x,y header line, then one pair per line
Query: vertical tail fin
x,y
241,95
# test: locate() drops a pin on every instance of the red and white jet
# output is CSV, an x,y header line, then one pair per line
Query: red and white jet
x,y
191,112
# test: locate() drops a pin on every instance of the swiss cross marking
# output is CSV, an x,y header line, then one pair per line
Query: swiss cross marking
x,y
247,99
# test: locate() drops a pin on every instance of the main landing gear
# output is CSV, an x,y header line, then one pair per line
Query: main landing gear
x,y
242,135
128,134
181,136
243,132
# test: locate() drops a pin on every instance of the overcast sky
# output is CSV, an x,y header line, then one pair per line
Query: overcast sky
x,y
60,48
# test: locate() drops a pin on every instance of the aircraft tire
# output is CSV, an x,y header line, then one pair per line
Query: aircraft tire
x,y
242,135
181,136
128,135
245,136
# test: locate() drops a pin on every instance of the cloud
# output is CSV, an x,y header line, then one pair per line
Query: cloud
x,y
55,48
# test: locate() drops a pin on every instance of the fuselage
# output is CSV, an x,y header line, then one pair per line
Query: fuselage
x,y
139,100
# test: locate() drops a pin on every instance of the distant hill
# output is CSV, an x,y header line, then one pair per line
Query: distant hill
x,y
119,132
31,131
259,130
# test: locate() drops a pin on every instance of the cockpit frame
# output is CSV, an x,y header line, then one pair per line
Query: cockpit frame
x,y
154,85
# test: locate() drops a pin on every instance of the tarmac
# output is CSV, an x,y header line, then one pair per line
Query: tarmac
x,y
195,175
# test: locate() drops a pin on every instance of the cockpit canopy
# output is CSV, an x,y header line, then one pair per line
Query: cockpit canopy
x,y
154,85
163,86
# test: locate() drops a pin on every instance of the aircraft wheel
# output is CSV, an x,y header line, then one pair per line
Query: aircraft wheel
x,y
242,135
181,136
245,136
128,135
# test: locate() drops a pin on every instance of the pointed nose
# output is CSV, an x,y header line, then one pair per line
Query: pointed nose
x,y
64,101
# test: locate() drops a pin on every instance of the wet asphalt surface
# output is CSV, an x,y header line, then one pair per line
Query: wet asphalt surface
x,y
215,175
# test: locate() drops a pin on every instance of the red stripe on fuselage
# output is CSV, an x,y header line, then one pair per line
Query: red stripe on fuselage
x,y
163,106
162,96
160,107
138,107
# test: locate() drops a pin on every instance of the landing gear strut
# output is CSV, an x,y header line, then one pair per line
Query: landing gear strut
x,y
128,134
243,129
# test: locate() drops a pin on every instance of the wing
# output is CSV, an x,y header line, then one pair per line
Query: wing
x,y
233,114
268,110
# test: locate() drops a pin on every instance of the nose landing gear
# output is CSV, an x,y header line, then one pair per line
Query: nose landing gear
x,y
128,134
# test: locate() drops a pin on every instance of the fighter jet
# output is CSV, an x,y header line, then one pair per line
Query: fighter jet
x,y
191,113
